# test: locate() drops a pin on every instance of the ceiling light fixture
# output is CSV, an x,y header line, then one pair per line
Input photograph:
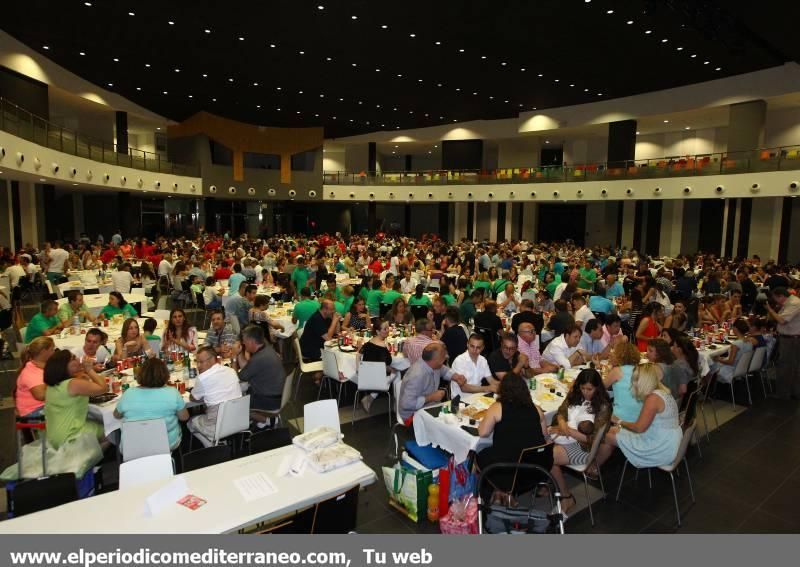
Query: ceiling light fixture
x,y
87,4
609,11
131,13
665,40
353,17
688,128
110,84
320,7
171,23
207,30
648,31
272,45
302,52
629,22
45,47
706,62
116,59
637,132
147,65
412,35
384,27
82,53
679,48
138,88
693,55
666,121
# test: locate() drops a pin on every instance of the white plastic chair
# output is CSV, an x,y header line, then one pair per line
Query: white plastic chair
x,y
330,373
146,469
670,468
143,439
161,315
233,417
740,371
372,378
399,421
322,413
598,438
305,367
138,291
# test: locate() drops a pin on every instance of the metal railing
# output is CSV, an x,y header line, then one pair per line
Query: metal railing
x,y
19,122
767,159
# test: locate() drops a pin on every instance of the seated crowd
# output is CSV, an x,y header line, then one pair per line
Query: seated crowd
x,y
480,318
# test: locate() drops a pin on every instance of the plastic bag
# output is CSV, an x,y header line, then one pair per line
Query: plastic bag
x,y
333,457
316,438
76,456
463,482
461,518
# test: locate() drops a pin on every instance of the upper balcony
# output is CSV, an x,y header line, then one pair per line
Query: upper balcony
x,y
26,125
784,158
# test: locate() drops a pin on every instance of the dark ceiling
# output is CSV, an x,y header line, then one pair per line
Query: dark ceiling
x,y
358,66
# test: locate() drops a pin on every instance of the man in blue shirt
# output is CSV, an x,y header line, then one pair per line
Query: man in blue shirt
x,y
599,304
240,304
613,287
235,280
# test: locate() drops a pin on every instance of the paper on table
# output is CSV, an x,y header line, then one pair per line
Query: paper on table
x,y
254,486
163,497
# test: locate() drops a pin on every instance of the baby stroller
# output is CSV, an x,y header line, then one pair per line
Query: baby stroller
x,y
542,515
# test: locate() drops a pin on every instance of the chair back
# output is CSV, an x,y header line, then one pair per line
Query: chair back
x,y
758,360
336,515
322,413
144,438
689,411
743,366
42,493
286,394
688,434
396,386
205,457
233,417
147,469
330,367
297,350
155,344
598,439
161,315
490,339
529,455
691,387
269,439
138,291
372,377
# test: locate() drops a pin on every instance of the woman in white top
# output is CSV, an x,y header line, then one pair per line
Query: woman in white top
x,y
179,335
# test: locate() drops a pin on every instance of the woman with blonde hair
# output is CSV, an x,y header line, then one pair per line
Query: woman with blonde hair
x,y
653,439
31,388
624,359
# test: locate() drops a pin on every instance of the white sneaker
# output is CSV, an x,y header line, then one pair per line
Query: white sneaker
x,y
366,402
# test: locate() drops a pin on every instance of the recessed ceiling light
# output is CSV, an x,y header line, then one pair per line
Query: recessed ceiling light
x,y
572,84
629,22
322,96
648,31
207,30
190,96
609,11
586,90
666,121
138,88
116,59
215,100
665,40
412,35
637,132
435,146
693,55
385,27
505,101
241,38
131,13
147,65
320,7
165,92
230,80
503,63
547,141
171,23
328,59
523,69
255,84
679,48
110,84
599,94
399,75
278,109
461,51
87,3
437,43
377,70
272,45
42,179
299,92
556,80
354,64
258,106
45,47
177,70
277,88
82,53
706,62
688,128
302,52
718,69
540,75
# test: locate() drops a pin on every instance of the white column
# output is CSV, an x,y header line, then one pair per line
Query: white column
x,y
29,217
509,214
492,222
460,221
765,227
530,215
736,220
725,214
628,219
671,227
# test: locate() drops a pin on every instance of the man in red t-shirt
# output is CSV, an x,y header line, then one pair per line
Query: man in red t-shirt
x,y
223,272
108,255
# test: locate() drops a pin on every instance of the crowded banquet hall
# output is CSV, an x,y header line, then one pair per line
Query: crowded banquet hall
x,y
257,279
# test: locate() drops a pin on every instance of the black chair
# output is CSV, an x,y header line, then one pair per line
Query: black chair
x,y
336,515
269,439
42,493
419,311
207,457
384,309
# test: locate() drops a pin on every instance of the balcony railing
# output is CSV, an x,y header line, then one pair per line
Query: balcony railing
x,y
770,159
19,122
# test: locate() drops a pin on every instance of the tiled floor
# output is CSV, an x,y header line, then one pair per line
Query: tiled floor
x,y
748,479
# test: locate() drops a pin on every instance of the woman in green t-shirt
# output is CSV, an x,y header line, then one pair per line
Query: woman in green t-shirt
x,y
118,306
419,297
447,293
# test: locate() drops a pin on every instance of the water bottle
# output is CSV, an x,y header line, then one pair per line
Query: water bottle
x,y
76,324
561,374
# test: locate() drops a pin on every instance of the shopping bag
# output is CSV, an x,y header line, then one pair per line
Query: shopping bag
x,y
408,490
76,456
463,481
461,517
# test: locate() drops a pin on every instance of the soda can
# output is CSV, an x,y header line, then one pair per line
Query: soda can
x,y
182,387
120,366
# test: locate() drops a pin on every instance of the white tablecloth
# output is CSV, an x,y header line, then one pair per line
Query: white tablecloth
x,y
348,362
95,303
226,509
429,430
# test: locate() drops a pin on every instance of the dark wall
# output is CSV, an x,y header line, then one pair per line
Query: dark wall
x,y
710,238
24,92
462,154
560,222
621,142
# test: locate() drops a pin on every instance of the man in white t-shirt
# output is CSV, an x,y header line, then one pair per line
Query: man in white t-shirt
x,y
474,367
122,278
563,350
215,384
581,310
508,300
56,267
15,272
165,267
93,348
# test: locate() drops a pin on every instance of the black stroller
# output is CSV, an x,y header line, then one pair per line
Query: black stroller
x,y
513,518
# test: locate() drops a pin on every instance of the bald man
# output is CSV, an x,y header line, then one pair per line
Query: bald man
x,y
420,386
